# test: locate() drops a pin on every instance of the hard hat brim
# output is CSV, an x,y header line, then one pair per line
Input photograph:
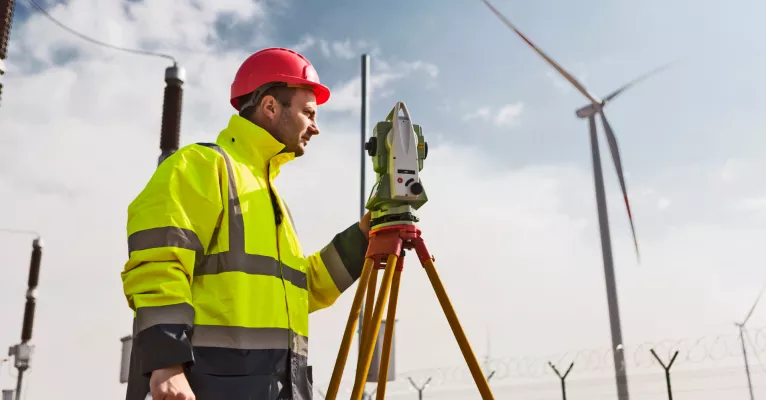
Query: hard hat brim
x,y
321,91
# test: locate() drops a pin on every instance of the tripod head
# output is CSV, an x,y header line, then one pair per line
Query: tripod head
x,y
397,148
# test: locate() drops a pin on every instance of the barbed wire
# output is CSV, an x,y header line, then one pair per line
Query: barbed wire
x,y
692,351
704,379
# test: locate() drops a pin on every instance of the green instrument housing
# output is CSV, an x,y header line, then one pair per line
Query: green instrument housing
x,y
387,210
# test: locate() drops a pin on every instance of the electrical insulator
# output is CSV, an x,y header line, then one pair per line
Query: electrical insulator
x,y
171,111
6,17
34,278
22,352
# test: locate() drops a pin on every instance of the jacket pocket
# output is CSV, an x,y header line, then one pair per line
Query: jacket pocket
x,y
236,387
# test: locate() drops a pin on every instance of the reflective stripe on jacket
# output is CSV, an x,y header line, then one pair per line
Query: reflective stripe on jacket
x,y
216,274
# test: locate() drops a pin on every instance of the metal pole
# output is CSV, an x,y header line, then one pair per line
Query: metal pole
x,y
171,111
363,156
747,367
563,389
6,20
606,250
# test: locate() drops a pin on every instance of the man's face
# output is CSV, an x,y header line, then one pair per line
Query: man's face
x,y
295,125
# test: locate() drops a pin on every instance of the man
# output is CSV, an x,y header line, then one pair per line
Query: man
x,y
216,275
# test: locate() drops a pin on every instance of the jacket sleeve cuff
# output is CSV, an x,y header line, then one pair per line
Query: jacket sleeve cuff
x,y
351,245
163,345
344,256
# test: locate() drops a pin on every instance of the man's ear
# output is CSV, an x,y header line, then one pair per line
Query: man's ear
x,y
269,107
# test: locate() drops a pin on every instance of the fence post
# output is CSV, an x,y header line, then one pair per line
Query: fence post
x,y
368,396
420,389
562,378
667,370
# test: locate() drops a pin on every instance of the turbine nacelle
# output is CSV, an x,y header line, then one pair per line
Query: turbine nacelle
x,y
589,110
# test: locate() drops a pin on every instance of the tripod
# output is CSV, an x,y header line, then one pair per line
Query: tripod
x,y
387,244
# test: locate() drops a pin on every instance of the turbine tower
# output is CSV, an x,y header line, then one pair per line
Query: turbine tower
x,y
741,327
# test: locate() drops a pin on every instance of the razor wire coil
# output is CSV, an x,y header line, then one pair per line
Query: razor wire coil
x,y
692,351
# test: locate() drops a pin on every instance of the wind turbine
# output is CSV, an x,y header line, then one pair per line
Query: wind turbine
x,y
589,112
741,327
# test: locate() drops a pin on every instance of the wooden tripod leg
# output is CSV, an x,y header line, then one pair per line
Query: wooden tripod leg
x,y
454,323
377,317
353,317
385,356
369,304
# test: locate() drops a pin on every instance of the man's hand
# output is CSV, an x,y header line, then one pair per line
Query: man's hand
x,y
364,224
170,384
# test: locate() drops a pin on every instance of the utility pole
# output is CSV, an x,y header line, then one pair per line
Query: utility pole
x,y
363,158
22,352
6,20
365,107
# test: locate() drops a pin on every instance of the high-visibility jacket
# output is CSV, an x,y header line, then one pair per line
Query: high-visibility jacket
x,y
217,277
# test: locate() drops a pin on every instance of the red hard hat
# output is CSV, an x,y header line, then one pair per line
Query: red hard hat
x,y
276,65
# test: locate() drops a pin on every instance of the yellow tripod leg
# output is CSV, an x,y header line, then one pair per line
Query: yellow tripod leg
x,y
454,323
369,304
353,316
377,317
388,335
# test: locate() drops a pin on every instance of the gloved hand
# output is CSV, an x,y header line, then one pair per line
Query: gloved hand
x,y
364,224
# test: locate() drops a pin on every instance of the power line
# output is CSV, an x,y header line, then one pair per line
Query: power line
x,y
98,42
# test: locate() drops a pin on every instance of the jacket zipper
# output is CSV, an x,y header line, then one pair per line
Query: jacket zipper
x,y
278,217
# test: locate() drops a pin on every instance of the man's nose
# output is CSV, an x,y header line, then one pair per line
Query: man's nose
x,y
313,129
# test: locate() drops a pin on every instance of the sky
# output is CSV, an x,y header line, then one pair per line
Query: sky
x,y
511,217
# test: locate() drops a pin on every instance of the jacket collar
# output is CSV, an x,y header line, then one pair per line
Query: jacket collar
x,y
254,144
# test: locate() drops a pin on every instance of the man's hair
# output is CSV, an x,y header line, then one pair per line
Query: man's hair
x,y
283,94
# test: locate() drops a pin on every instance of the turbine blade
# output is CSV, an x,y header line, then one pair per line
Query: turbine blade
x,y
612,140
757,299
555,65
637,80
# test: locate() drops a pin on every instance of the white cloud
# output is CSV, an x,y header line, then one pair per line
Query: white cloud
x,y
480,113
506,116
731,170
663,203
344,49
346,96
517,249
305,43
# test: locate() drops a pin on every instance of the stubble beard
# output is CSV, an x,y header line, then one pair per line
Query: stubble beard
x,y
285,128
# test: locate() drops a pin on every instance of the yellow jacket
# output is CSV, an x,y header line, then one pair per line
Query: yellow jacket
x,y
217,277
